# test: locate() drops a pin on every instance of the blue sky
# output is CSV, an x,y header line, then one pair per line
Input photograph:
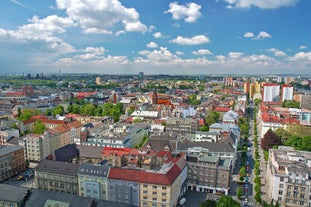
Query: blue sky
x,y
156,37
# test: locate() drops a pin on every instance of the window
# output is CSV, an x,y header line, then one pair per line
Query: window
x,y
145,186
280,192
154,193
163,187
145,192
289,187
154,199
279,198
145,197
154,187
163,194
282,179
163,200
302,195
281,185
301,203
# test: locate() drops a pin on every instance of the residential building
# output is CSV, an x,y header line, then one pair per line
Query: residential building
x,y
271,92
93,181
209,166
118,135
181,126
288,176
12,196
287,92
7,134
305,102
57,176
12,161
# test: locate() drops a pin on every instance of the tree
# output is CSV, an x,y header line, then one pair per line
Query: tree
x,y
242,171
88,109
290,104
239,192
38,128
19,112
208,203
58,110
212,118
27,114
203,128
282,134
269,140
227,201
294,141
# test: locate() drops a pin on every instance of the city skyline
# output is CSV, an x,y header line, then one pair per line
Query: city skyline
x,y
163,37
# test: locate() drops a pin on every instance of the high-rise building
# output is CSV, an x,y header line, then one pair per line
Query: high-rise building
x,y
271,92
98,80
287,92
228,81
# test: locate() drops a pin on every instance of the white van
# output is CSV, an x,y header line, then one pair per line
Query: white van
x,y
182,201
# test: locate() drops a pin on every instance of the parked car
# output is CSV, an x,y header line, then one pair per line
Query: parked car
x,y
20,177
182,201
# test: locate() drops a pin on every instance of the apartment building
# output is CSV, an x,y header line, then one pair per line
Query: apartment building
x,y
12,161
139,187
118,135
93,181
271,92
209,166
57,176
287,92
288,176
181,126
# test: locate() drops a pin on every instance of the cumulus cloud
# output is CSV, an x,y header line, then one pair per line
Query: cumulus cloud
x,y
302,47
189,12
152,45
249,35
260,36
195,40
277,53
263,4
99,17
163,54
235,55
301,56
158,35
202,52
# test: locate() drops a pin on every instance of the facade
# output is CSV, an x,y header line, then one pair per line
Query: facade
x,y
7,134
139,187
287,92
57,176
288,176
209,171
305,102
271,93
118,135
12,161
12,196
181,126
93,181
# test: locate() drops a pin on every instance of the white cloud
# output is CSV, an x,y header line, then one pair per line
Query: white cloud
x,y
263,35
179,53
163,54
195,40
249,35
302,47
277,53
235,55
263,4
189,12
260,36
99,17
202,52
158,35
152,45
301,56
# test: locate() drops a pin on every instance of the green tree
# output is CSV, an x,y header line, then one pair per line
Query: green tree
x,y
98,111
290,104
88,109
48,112
282,134
203,128
239,192
19,112
242,171
208,203
294,141
212,118
58,110
39,127
227,201
27,114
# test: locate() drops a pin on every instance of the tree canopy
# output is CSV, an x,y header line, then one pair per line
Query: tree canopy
x,y
270,140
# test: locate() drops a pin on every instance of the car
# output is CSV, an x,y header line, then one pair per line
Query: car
x,y
247,162
20,177
246,179
182,201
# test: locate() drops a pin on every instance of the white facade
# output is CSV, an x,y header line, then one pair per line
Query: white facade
x,y
271,93
287,93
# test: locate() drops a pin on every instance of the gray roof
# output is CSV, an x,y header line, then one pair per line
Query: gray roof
x,y
58,167
90,151
12,193
211,146
94,170
8,149
50,198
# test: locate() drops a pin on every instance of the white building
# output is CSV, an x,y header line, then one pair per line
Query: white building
x,y
287,92
288,176
271,93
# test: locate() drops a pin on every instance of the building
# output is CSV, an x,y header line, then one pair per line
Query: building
x,y
57,176
305,102
139,187
98,80
271,93
287,92
288,176
12,196
7,134
12,161
209,166
93,181
228,81
118,135
181,126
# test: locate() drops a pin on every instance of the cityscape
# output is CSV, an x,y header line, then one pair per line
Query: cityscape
x,y
154,140
131,103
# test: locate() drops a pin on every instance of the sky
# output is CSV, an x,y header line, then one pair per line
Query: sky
x,y
155,36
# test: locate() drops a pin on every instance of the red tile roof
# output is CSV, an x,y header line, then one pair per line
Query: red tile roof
x,y
221,109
